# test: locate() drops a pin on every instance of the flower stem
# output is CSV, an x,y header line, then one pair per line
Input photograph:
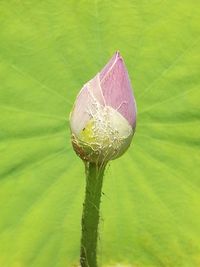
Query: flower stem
x,y
90,217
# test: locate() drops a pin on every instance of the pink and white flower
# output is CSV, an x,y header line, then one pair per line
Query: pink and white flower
x,y
103,118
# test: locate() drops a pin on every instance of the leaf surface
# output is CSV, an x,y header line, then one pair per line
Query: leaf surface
x,y
150,207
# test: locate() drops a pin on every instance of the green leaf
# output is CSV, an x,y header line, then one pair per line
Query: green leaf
x,y
150,210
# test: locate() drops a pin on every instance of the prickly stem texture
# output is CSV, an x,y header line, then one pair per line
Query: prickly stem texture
x,y
90,217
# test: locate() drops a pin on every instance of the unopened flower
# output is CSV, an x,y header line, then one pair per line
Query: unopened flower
x,y
103,118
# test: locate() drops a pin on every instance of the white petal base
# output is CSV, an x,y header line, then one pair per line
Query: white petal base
x,y
106,136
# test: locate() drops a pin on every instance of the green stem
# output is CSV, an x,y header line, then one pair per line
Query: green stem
x,y
90,217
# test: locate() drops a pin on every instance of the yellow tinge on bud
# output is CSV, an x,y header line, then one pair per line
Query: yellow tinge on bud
x,y
106,136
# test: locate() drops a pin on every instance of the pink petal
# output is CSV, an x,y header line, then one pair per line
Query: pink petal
x,y
117,90
79,115
86,104
108,65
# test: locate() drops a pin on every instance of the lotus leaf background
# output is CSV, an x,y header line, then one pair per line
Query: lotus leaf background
x,y
150,212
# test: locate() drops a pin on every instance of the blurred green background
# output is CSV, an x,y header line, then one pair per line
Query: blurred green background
x,y
150,212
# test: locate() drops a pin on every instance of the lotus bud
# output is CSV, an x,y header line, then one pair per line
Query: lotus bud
x,y
103,118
